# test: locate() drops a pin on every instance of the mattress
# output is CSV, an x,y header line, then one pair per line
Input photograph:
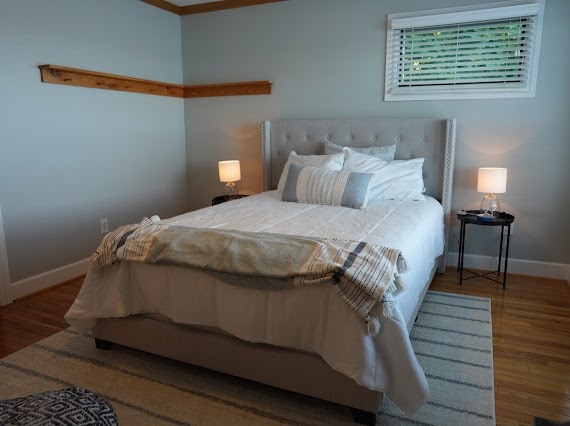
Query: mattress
x,y
312,319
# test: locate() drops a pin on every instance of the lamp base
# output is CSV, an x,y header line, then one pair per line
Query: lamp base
x,y
231,189
490,205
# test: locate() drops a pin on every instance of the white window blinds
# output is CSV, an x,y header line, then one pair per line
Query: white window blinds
x,y
466,54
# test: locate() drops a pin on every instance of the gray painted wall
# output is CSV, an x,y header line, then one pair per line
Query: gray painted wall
x,y
326,59
70,156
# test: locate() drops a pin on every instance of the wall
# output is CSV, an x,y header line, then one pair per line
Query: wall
x,y
326,59
69,155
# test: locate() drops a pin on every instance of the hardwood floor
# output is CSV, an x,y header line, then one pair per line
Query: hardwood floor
x,y
531,338
531,344
30,319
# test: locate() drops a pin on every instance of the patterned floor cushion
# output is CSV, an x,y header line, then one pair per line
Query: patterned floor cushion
x,y
70,406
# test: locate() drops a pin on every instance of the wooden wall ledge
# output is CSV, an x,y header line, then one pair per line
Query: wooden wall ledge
x,y
228,89
77,77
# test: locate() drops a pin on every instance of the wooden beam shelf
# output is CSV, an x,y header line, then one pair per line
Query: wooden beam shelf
x,y
228,89
96,80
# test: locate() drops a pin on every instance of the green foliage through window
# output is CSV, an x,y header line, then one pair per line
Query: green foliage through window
x,y
480,51
465,54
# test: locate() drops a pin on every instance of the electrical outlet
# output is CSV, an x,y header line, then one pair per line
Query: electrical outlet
x,y
104,226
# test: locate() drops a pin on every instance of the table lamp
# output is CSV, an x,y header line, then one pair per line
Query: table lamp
x,y
230,173
491,181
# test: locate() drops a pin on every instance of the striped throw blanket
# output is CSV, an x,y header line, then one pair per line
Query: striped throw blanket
x,y
363,273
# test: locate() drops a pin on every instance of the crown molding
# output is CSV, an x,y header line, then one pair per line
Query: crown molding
x,y
222,5
206,7
162,4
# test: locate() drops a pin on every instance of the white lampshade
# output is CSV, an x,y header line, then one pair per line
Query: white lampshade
x,y
492,180
229,171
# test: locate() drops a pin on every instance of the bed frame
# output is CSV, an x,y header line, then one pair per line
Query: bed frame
x,y
308,374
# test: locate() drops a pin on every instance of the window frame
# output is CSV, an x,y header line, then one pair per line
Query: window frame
x,y
453,16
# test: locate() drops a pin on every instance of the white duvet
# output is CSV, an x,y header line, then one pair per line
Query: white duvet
x,y
313,319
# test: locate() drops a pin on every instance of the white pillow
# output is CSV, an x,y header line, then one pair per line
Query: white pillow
x,y
400,180
330,187
381,152
328,162
357,162
393,180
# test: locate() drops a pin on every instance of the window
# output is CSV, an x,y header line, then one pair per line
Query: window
x,y
464,53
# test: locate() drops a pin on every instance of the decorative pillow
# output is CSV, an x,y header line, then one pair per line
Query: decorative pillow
x,y
329,162
393,180
60,407
331,187
382,152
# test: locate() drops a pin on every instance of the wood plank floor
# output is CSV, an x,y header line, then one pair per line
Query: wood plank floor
x,y
32,318
531,344
531,338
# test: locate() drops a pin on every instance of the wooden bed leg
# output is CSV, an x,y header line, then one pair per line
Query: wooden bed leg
x,y
363,417
103,344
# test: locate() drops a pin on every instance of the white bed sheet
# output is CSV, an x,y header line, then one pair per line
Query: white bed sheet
x,y
313,319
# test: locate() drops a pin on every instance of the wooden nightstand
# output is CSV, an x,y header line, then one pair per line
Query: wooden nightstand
x,y
502,220
223,198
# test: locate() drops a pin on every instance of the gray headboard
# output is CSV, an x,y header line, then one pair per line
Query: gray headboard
x,y
432,139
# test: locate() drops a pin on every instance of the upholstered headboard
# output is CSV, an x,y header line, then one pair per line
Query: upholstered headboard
x,y
432,139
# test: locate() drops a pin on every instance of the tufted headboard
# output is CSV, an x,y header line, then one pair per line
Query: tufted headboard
x,y
432,139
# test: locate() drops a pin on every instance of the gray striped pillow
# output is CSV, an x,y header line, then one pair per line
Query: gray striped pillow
x,y
331,187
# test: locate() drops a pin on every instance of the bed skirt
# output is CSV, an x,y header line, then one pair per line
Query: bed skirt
x,y
287,369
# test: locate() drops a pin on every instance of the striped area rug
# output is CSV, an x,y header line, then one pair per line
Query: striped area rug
x,y
452,339
453,342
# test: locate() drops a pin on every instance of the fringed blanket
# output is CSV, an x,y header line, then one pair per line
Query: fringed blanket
x,y
363,273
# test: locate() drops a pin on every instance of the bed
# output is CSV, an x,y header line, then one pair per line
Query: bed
x,y
337,358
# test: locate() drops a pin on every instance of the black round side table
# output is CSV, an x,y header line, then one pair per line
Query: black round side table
x,y
223,198
473,217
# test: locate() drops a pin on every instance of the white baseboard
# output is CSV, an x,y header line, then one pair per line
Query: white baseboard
x,y
47,279
560,271
4,272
